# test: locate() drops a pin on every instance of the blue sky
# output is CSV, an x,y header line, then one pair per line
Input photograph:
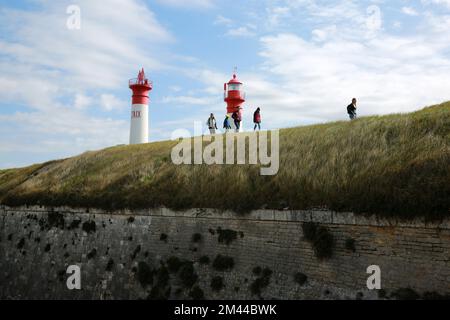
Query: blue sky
x,y
63,92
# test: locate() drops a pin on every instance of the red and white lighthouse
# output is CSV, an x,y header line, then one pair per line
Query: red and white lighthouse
x,y
234,96
139,109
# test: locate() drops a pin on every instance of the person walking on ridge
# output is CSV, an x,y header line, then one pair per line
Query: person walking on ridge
x,y
212,124
237,118
257,119
351,109
226,123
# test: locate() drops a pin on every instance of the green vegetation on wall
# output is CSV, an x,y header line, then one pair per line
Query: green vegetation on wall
x,y
321,239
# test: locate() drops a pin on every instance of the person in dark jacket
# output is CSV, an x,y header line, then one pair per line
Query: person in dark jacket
x,y
351,109
257,119
237,118
226,123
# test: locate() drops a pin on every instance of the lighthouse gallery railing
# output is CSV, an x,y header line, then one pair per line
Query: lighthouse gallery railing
x,y
136,81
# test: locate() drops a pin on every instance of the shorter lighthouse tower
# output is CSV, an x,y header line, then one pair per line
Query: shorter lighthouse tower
x,y
141,88
234,96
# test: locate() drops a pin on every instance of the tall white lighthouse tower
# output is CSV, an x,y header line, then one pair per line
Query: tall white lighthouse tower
x,y
141,88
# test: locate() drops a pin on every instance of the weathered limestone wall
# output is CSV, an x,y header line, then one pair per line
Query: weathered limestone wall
x,y
37,245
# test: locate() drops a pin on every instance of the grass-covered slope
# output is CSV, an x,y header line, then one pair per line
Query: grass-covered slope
x,y
392,165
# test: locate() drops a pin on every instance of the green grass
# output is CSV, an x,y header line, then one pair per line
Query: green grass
x,y
395,165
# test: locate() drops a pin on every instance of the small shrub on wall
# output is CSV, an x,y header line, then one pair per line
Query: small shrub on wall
x,y
322,240
89,227
204,260
222,263
309,230
163,237
187,275
196,238
174,264
350,245
110,265
300,278
226,235
217,284
323,243
261,282
145,274
197,293
257,271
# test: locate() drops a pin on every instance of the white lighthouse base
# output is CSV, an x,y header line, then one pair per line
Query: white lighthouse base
x,y
139,124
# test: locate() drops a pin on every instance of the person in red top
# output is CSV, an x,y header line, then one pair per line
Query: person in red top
x,y
237,118
257,119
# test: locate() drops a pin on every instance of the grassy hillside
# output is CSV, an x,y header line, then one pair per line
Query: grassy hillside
x,y
392,165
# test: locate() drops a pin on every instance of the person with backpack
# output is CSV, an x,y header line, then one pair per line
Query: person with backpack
x,y
212,124
257,119
351,109
237,118
226,123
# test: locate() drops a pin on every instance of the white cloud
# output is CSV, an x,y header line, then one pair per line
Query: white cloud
x,y
275,15
188,100
82,101
188,4
36,131
324,34
439,24
100,55
397,24
386,73
437,2
311,79
410,11
349,53
233,30
110,102
221,20
61,75
175,88
243,31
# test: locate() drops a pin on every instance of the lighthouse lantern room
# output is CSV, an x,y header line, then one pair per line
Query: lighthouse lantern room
x,y
234,96
141,88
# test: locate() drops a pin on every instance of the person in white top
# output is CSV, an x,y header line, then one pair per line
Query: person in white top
x,y
212,124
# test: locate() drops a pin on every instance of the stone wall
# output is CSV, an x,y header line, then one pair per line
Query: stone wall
x,y
128,249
